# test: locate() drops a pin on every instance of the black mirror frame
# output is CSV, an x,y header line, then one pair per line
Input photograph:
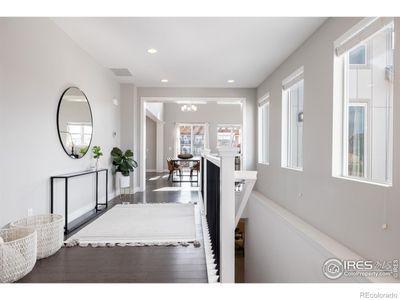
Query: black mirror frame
x,y
58,127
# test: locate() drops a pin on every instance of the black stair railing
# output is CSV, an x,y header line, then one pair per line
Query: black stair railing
x,y
213,208
202,177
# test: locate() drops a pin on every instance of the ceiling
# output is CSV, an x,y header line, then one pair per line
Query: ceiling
x,y
191,52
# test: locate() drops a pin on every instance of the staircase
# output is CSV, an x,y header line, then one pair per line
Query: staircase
x,y
225,194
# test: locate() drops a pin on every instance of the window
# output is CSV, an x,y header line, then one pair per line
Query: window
x,y
358,55
292,121
191,138
357,132
79,134
364,101
228,135
263,130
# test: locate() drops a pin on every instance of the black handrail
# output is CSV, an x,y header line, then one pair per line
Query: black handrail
x,y
202,177
213,208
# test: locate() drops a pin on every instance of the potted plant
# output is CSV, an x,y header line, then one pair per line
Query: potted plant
x,y
96,155
124,164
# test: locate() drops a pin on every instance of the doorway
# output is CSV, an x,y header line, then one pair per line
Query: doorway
x,y
213,116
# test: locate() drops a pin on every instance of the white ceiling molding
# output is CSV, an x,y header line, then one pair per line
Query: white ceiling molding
x,y
195,100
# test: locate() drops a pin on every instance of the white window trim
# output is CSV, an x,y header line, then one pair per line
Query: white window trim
x,y
264,99
263,102
287,83
367,139
358,34
82,129
361,32
233,126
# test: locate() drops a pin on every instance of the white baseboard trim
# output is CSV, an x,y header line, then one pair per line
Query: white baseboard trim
x,y
80,212
88,207
137,189
156,171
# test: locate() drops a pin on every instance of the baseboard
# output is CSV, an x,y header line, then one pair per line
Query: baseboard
x,y
81,211
156,171
137,189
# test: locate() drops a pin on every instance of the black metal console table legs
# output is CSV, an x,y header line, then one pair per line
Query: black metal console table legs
x,y
66,177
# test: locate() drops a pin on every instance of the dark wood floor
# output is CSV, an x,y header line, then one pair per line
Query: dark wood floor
x,y
157,264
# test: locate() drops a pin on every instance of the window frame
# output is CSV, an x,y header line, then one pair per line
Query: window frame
x,y
286,149
263,136
82,134
367,139
191,125
342,102
238,126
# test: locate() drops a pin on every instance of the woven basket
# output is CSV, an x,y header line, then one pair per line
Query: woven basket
x,y
50,232
17,253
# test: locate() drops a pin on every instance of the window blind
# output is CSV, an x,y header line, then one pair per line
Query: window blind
x,y
293,79
363,34
263,100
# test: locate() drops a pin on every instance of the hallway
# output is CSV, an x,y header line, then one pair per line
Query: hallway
x,y
157,264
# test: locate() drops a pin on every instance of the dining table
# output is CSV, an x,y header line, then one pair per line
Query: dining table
x,y
186,163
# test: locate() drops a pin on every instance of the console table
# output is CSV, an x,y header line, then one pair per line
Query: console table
x,y
66,177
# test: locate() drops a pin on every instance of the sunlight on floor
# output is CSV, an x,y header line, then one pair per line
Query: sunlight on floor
x,y
155,178
176,189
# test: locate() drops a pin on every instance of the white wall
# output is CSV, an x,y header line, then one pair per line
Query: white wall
x,y
38,61
279,235
157,109
350,212
129,121
151,144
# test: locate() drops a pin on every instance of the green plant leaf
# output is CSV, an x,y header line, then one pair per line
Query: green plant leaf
x,y
128,153
116,152
123,162
97,152
134,163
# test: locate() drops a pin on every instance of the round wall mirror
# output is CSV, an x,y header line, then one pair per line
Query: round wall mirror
x,y
74,122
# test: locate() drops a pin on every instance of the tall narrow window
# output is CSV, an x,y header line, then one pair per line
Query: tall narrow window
x,y
229,135
263,130
356,140
292,121
364,64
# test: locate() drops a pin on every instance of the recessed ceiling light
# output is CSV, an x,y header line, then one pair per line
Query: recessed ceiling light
x,y
164,80
152,51
231,81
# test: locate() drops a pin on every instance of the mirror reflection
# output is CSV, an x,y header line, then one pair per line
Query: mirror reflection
x,y
74,121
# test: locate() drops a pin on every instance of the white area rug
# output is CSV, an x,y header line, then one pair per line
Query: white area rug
x,y
140,225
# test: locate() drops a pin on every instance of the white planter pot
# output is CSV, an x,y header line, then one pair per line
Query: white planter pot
x,y
124,181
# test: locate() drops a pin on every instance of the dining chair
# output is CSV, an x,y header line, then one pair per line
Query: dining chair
x,y
172,167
